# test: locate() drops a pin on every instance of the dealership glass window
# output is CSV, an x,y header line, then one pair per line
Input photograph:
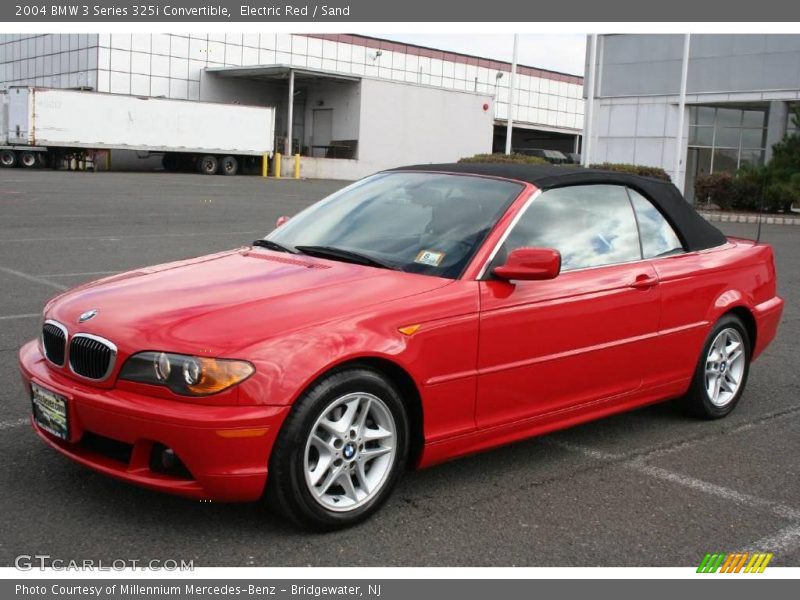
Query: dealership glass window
x,y
723,139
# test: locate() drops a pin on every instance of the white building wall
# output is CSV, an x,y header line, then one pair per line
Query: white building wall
x,y
424,125
345,101
637,130
169,65
53,60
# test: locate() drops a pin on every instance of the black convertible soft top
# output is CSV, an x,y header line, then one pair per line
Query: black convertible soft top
x,y
695,232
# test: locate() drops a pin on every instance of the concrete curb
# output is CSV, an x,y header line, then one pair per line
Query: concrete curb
x,y
740,218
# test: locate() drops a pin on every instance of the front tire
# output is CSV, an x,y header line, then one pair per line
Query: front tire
x,y
340,451
721,374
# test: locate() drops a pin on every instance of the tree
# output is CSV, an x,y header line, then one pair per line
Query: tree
x,y
784,169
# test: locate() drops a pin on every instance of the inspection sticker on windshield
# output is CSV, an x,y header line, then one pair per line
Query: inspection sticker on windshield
x,y
430,258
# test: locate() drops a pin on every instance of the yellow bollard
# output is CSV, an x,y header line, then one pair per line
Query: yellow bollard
x,y
277,169
297,166
265,165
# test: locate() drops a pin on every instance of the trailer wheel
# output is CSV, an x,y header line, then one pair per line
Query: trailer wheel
x,y
27,159
8,159
229,165
207,164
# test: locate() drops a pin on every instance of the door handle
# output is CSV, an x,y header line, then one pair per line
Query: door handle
x,y
644,282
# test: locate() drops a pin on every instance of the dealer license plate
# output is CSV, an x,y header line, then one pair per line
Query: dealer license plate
x,y
50,411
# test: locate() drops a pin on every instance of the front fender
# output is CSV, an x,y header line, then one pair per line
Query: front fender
x,y
443,347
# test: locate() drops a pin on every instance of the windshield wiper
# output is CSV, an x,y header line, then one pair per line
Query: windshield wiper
x,y
269,244
346,255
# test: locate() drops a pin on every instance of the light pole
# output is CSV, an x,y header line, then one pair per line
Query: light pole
x,y
512,88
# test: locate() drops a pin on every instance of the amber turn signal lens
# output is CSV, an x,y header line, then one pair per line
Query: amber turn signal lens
x,y
217,375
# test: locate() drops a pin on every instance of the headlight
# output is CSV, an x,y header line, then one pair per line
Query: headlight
x,y
186,375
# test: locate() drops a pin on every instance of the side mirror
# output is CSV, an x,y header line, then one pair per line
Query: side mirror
x,y
530,264
281,220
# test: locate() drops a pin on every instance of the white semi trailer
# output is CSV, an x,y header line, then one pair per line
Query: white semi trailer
x,y
52,127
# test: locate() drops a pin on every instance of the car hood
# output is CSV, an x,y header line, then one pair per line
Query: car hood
x,y
227,301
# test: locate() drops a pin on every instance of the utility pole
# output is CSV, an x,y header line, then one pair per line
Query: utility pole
x,y
512,89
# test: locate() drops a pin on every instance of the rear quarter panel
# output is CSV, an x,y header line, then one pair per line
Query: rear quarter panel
x,y
697,289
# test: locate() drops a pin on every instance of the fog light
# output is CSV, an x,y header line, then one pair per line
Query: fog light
x,y
164,460
168,458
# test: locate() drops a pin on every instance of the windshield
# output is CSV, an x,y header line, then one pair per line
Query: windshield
x,y
427,223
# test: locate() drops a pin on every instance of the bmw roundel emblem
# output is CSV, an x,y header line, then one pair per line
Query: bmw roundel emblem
x,y
89,314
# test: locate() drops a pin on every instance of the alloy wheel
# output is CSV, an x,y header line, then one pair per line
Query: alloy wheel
x,y
725,366
350,451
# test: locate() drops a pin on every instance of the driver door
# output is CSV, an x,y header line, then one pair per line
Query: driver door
x,y
550,346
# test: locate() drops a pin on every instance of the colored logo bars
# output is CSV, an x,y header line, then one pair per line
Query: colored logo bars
x,y
734,563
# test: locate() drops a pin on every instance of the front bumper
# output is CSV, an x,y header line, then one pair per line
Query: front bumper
x,y
224,448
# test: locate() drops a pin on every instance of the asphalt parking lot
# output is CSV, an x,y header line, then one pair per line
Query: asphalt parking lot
x,y
648,488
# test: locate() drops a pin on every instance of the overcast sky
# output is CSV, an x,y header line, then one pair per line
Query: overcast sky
x,y
559,52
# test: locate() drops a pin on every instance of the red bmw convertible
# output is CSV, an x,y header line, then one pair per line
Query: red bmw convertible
x,y
415,316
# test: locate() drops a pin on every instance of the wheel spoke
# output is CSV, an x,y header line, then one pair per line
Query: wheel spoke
x,y
333,475
377,433
361,475
350,412
734,355
323,464
362,417
717,387
725,385
320,444
342,424
719,346
711,382
346,481
370,453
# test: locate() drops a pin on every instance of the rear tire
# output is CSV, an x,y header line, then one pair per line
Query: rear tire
x,y
28,160
229,165
721,374
340,451
8,159
207,165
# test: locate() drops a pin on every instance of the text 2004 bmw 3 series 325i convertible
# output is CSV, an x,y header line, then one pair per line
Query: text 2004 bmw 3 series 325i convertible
x,y
417,315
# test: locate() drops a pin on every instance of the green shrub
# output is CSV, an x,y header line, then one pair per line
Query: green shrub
x,y
642,170
748,187
519,159
757,187
779,196
716,188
